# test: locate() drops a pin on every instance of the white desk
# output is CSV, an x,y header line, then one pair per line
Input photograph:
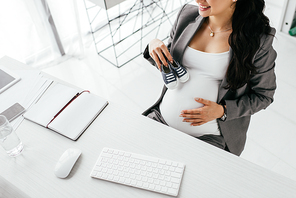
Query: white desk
x,y
209,172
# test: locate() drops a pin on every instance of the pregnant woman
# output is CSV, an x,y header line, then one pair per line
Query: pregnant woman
x,y
226,48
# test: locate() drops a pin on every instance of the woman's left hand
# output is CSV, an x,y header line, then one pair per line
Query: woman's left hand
x,y
210,111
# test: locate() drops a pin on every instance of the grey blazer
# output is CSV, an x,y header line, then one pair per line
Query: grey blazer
x,y
255,95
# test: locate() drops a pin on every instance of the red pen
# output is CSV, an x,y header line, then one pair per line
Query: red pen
x,y
66,106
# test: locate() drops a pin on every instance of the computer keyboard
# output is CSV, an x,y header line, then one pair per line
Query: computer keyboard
x,y
141,171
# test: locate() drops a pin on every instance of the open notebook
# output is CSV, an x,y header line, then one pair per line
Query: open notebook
x,y
66,110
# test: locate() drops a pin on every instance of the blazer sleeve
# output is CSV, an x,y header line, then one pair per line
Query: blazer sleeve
x,y
262,85
146,54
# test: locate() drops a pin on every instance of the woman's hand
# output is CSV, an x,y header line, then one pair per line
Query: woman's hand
x,y
210,111
157,50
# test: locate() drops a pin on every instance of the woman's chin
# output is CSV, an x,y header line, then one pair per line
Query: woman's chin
x,y
203,14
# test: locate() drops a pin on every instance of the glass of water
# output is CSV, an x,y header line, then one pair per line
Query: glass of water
x,y
8,138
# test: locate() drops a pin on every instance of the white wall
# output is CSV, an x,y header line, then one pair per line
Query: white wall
x,y
279,3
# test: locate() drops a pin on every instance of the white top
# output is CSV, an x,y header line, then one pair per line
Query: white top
x,y
206,72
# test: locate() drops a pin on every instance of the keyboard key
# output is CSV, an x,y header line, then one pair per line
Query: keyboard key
x,y
150,180
162,162
164,189
172,191
127,181
110,177
149,169
169,184
99,174
177,175
167,173
169,163
181,165
145,185
133,176
110,151
143,173
144,179
121,180
115,157
175,180
172,169
143,163
94,173
149,173
133,182
139,184
106,155
175,186
167,179
156,181
151,186
179,170
104,176
115,172
157,188
137,171
138,177
143,168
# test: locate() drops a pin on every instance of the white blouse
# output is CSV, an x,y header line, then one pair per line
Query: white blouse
x,y
206,72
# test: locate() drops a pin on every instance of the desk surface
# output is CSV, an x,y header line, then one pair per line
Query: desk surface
x,y
209,172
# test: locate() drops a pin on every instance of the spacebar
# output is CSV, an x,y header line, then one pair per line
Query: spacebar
x,y
143,157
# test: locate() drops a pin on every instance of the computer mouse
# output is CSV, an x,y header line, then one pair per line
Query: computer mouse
x,y
66,162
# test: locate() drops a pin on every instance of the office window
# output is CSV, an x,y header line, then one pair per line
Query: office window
x,y
26,34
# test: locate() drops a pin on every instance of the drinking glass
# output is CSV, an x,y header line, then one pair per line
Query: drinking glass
x,y
8,138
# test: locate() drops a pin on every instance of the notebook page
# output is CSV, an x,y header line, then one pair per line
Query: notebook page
x,y
78,115
50,104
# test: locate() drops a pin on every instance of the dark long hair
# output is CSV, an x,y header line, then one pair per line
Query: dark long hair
x,y
248,25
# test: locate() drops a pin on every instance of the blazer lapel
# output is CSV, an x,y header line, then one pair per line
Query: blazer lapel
x,y
186,36
222,90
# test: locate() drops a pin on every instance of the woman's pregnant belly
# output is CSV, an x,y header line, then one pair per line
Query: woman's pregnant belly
x,y
182,98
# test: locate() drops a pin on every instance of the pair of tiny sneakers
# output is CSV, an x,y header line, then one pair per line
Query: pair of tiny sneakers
x,y
172,72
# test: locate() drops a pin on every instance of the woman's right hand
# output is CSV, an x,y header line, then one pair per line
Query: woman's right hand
x,y
158,51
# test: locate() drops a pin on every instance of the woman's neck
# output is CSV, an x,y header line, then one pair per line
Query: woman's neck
x,y
219,23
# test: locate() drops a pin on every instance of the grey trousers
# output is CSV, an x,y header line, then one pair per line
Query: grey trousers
x,y
215,140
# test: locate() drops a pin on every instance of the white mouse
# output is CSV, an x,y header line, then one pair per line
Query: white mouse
x,y
66,162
